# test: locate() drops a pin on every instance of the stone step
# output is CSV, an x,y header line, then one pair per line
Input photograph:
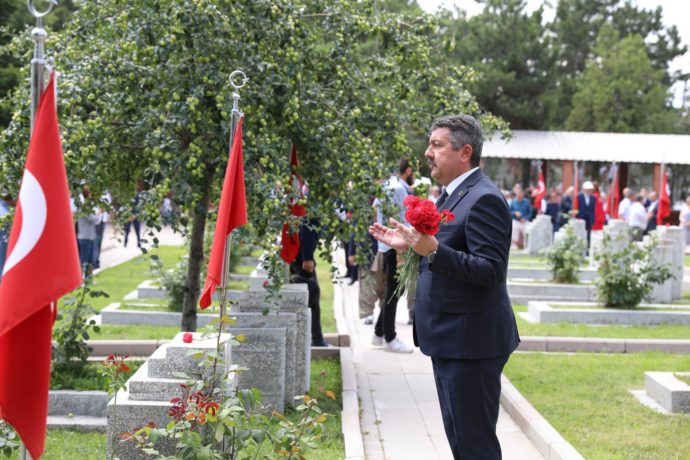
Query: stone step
x,y
142,387
81,423
174,357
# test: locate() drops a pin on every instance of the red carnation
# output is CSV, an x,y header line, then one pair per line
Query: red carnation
x,y
187,337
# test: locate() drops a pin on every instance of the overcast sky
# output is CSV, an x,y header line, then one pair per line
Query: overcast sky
x,y
675,12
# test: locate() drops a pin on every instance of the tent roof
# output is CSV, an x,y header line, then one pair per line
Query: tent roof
x,y
580,146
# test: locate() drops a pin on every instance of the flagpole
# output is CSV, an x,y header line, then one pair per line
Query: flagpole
x,y
38,84
235,116
38,62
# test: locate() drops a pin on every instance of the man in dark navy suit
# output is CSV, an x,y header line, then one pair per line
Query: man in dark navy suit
x,y
586,204
464,320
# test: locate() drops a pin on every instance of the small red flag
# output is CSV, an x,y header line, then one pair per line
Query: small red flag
x,y
289,240
614,195
664,200
541,191
232,213
42,266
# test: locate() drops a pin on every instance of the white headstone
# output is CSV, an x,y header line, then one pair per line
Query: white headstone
x,y
539,234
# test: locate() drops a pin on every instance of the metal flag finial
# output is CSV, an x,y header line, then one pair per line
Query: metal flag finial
x,y
241,75
36,13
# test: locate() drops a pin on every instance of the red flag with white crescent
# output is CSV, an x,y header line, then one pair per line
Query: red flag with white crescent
x,y
290,239
42,265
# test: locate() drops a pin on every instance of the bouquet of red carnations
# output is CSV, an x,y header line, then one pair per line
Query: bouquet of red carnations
x,y
426,219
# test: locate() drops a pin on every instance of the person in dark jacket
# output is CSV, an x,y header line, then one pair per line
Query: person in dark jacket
x,y
303,270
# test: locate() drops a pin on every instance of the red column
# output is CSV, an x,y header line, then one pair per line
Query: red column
x,y
568,171
656,182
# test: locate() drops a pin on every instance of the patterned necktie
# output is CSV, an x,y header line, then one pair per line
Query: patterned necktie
x,y
441,199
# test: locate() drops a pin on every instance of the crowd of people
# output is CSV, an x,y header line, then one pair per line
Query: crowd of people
x,y
637,208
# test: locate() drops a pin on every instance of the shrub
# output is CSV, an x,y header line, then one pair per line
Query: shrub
x,y
71,332
565,256
627,276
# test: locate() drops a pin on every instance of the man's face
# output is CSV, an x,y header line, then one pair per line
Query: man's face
x,y
519,194
445,161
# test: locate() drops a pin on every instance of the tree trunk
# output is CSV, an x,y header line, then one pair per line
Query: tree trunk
x,y
196,258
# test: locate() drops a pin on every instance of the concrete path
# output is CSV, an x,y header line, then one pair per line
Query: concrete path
x,y
400,413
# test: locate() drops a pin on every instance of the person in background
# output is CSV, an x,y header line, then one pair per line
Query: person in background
x,y
685,219
434,193
103,219
566,206
86,233
552,209
133,220
624,205
303,271
599,214
397,188
637,217
521,212
586,204
652,211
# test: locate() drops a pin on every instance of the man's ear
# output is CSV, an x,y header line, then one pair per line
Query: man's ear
x,y
466,153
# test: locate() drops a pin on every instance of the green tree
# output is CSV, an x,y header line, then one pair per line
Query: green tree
x,y
620,90
575,27
515,65
14,18
144,97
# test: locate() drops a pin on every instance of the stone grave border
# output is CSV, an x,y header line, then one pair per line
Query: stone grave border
x,y
88,408
671,393
544,274
542,312
522,292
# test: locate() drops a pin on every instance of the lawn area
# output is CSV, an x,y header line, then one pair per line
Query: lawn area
x,y
135,332
68,445
683,378
599,331
122,279
687,260
585,397
323,272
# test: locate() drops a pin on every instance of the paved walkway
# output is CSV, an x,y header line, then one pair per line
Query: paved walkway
x,y
400,413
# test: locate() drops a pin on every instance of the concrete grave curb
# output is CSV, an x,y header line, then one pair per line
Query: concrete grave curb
x,y
545,438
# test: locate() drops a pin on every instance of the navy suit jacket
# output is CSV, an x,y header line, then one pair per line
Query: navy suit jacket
x,y
585,212
462,306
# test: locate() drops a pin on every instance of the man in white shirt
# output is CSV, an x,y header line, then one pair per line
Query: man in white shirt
x,y
624,205
637,218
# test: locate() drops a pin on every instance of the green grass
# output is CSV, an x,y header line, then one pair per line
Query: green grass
x,y
323,272
135,332
122,279
585,397
684,378
71,445
244,270
687,260
90,379
68,445
598,331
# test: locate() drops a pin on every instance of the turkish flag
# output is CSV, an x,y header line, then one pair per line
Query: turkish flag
x,y
541,191
42,266
232,213
664,200
290,240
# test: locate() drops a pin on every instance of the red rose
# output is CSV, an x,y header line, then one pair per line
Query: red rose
x,y
187,337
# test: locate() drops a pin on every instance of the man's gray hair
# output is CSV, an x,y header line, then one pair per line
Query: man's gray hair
x,y
464,129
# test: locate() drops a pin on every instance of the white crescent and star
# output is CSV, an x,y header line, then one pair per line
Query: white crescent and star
x,y
34,211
